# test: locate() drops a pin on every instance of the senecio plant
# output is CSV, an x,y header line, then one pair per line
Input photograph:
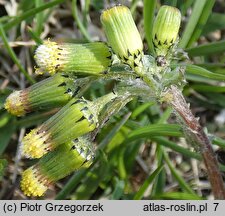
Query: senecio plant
x,y
64,143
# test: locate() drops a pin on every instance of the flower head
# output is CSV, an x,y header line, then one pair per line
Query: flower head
x,y
122,35
165,29
89,58
56,165
14,103
32,183
52,92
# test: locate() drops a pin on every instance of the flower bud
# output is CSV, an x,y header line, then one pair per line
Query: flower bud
x,y
165,29
90,58
52,92
56,165
75,119
123,36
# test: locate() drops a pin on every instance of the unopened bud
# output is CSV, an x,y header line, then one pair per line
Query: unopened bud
x,y
90,58
123,36
165,29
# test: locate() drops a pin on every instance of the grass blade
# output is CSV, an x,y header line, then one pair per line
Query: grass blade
x,y
207,49
192,23
30,13
172,145
215,22
13,55
147,182
155,130
178,196
149,9
71,184
208,88
194,69
140,109
177,176
5,135
119,190
79,22
201,22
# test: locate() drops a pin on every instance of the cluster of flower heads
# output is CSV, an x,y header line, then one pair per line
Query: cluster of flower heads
x,y
63,142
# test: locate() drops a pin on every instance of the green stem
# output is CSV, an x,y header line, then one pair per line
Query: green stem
x,y
78,21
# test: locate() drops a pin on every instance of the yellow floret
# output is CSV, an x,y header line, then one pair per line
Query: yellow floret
x,y
47,57
31,185
14,104
33,144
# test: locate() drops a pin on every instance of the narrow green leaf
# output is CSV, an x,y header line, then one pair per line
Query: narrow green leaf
x,y
177,148
5,135
30,13
194,69
160,180
79,22
140,109
207,49
119,190
219,142
3,164
34,36
91,182
178,196
39,18
13,55
208,88
121,164
146,183
149,9
215,22
165,115
155,130
201,22
113,132
71,184
192,23
185,187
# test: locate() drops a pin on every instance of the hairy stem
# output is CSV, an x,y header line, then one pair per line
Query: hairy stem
x,y
195,133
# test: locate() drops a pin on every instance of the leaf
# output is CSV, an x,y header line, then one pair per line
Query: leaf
x,y
208,88
146,183
193,69
155,130
207,10
188,32
215,22
207,49
5,135
3,164
178,196
183,184
172,145
118,190
149,8
30,13
140,109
